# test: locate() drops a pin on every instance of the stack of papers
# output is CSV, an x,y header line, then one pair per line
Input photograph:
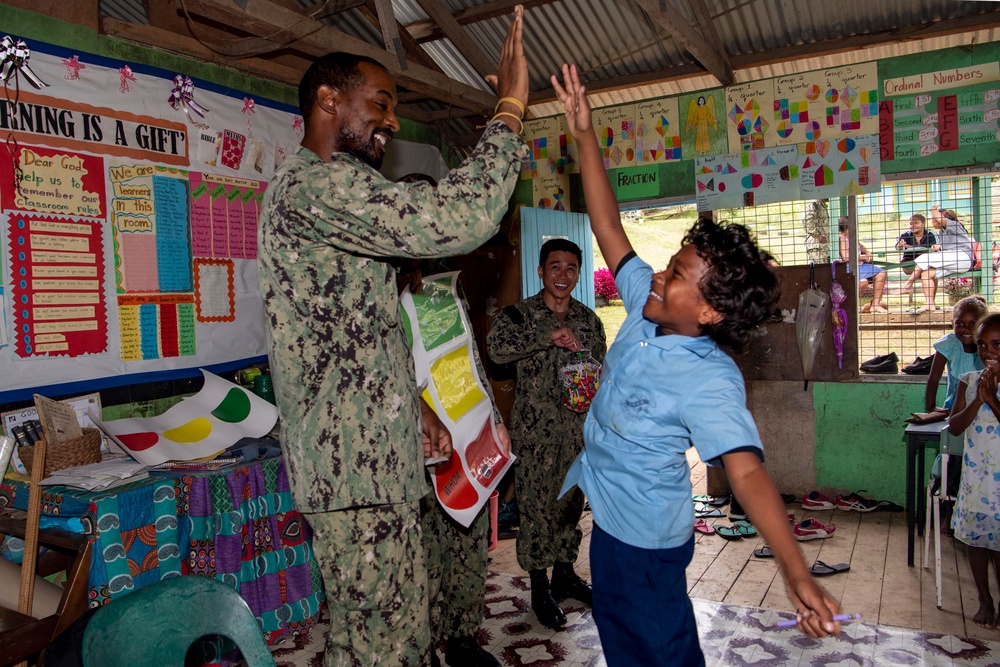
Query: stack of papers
x,y
99,476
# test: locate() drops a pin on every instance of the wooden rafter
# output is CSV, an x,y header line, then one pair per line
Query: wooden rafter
x,y
661,13
257,46
458,37
264,17
711,34
428,30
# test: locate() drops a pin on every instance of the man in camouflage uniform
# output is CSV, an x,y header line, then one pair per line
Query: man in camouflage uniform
x,y
540,334
351,417
456,556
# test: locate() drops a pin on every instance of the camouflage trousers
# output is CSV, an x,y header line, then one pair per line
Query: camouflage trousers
x,y
549,531
373,568
456,559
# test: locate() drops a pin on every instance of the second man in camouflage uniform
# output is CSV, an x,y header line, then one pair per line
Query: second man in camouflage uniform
x,y
540,334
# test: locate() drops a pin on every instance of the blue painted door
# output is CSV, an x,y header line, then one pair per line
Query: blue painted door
x,y
538,225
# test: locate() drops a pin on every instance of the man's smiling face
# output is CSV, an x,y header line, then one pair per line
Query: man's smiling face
x,y
559,274
369,117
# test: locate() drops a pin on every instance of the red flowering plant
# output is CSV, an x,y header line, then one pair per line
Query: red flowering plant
x,y
958,286
604,285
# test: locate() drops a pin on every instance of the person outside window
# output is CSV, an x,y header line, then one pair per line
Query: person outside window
x,y
917,237
953,253
867,272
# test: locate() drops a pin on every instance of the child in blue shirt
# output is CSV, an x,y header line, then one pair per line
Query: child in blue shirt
x,y
955,351
667,386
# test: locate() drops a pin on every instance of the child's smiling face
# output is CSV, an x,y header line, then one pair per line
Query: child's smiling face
x,y
964,324
675,301
988,345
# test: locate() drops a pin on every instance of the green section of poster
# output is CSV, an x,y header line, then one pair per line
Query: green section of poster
x,y
437,311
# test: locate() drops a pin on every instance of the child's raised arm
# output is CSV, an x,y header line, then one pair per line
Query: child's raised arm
x,y
602,207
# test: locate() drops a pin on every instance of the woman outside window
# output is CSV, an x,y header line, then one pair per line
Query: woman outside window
x,y
951,254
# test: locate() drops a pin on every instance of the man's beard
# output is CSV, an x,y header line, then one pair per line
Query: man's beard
x,y
366,151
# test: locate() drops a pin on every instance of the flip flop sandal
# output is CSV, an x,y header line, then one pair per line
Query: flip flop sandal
x,y
728,532
703,527
821,569
708,513
763,552
714,501
745,528
888,506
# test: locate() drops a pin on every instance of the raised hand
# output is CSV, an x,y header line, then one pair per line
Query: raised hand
x,y
511,79
573,97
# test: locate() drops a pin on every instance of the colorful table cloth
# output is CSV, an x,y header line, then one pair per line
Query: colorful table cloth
x,y
236,524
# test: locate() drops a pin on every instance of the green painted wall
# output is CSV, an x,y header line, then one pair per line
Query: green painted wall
x,y
32,26
859,436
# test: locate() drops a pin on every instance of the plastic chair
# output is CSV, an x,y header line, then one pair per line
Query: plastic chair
x,y
155,626
951,445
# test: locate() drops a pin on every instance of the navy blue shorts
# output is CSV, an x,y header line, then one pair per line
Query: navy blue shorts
x,y
641,606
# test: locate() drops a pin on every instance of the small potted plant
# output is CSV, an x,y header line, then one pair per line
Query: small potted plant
x,y
957,288
605,289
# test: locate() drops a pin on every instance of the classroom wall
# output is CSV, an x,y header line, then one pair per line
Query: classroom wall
x,y
837,437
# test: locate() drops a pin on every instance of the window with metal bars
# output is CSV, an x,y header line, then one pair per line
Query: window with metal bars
x,y
908,315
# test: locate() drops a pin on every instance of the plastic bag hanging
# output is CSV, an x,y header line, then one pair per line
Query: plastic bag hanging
x,y
579,377
810,321
838,295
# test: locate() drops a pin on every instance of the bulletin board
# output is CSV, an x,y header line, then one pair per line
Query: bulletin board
x,y
129,202
774,352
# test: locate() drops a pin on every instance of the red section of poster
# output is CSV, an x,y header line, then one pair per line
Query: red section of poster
x,y
484,456
454,488
53,181
886,138
57,286
168,330
947,110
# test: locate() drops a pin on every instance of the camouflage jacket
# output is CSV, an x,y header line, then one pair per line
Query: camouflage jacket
x,y
343,376
522,334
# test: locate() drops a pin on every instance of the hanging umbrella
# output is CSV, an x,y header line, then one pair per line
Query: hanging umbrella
x,y
810,321
838,295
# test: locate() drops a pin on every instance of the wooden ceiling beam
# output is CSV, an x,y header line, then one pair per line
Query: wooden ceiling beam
x,y
455,33
390,34
664,15
711,35
429,31
192,48
414,51
263,17
258,46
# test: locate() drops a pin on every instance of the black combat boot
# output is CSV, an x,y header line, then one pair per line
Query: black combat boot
x,y
567,584
466,652
548,612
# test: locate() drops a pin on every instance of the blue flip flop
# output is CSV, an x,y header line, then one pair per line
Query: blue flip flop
x,y
745,529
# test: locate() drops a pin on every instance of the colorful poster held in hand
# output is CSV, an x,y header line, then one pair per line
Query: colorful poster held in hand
x,y
441,338
199,427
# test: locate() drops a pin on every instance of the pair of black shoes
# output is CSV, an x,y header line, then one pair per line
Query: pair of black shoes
x,y
920,366
464,652
888,363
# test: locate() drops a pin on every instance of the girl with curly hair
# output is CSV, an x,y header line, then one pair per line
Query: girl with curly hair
x,y
668,385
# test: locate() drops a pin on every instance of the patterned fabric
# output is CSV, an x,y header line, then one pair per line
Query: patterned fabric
x,y
976,519
343,376
237,525
546,436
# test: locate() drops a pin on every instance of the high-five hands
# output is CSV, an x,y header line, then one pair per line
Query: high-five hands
x,y
511,79
573,97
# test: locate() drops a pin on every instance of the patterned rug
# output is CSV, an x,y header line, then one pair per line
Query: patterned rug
x,y
731,636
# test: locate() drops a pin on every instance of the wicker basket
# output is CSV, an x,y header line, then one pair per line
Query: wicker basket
x,y
68,453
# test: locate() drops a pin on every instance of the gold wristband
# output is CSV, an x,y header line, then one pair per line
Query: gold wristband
x,y
513,100
520,124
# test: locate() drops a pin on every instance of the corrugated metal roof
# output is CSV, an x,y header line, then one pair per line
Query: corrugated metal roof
x,y
612,40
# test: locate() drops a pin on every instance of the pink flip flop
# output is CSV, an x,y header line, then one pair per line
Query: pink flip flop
x,y
704,527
